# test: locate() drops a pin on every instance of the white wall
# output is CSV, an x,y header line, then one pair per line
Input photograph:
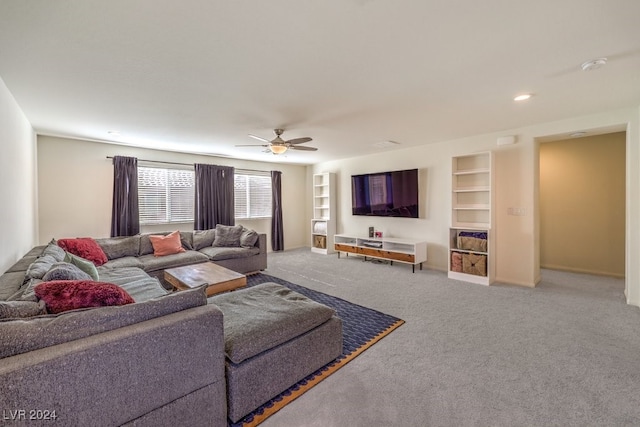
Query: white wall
x,y
516,170
18,222
76,185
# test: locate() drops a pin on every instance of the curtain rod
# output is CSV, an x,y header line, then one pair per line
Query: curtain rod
x,y
188,164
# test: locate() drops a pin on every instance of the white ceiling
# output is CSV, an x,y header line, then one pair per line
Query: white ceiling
x,y
199,75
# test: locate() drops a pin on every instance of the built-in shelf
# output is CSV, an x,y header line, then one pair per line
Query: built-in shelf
x,y
323,224
471,257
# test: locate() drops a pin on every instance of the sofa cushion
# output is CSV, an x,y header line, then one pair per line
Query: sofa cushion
x,y
166,245
36,251
84,247
22,264
203,238
218,254
22,335
154,263
118,247
83,264
20,309
10,283
135,281
227,235
248,238
65,271
127,261
259,318
65,295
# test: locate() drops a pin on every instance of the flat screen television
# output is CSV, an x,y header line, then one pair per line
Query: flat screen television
x,y
392,193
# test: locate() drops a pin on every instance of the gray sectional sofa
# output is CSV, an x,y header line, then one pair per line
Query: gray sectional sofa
x,y
170,358
137,251
133,257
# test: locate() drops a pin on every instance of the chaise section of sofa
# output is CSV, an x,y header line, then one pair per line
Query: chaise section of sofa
x,y
155,363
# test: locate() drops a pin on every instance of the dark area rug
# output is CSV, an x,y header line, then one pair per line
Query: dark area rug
x,y
361,328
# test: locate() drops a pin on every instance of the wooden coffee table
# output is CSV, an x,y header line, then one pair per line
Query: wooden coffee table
x,y
218,279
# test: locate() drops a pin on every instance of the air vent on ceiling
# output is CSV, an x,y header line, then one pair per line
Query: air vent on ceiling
x,y
385,144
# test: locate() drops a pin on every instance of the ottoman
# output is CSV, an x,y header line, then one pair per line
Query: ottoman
x,y
274,337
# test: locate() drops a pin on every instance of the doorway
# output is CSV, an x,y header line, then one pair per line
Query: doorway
x,y
582,204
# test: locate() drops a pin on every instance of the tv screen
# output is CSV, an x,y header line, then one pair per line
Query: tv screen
x,y
385,194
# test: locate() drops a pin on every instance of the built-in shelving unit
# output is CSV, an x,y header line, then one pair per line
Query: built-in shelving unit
x,y
471,257
406,251
323,224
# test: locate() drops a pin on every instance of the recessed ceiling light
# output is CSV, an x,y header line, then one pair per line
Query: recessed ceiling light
x,y
577,134
594,64
113,133
522,97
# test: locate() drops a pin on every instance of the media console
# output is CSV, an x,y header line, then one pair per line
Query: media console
x,y
408,251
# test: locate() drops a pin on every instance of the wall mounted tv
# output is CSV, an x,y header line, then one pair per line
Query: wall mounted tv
x,y
392,193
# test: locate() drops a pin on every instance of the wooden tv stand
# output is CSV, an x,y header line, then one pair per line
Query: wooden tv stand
x,y
408,251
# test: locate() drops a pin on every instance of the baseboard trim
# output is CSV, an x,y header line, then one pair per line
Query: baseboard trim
x,y
582,271
502,280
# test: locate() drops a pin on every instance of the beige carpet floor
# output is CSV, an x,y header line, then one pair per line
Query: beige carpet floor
x,y
565,353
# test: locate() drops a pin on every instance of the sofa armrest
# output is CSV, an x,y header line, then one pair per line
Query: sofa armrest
x,y
262,243
122,375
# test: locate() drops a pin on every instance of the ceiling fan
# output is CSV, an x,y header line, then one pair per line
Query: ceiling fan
x,y
279,145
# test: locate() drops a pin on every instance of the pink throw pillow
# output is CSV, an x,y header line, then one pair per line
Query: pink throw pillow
x,y
65,295
166,245
84,247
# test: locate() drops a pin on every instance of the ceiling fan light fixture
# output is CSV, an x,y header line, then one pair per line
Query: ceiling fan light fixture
x,y
278,149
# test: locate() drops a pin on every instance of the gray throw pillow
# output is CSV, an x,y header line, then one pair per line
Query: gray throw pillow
x,y
227,236
203,238
83,264
65,271
119,247
248,238
40,266
21,309
55,251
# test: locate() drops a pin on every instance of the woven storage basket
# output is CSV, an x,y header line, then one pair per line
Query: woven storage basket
x,y
456,262
474,264
320,242
472,244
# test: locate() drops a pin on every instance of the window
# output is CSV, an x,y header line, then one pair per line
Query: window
x,y
165,195
252,194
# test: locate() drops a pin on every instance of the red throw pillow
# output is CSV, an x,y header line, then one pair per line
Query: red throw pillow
x,y
64,295
166,245
84,247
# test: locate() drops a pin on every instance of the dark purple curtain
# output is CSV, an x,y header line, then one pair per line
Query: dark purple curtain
x,y
214,197
125,220
277,233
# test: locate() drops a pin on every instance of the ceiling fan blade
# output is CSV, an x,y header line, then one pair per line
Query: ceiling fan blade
x,y
304,148
259,138
299,140
252,145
